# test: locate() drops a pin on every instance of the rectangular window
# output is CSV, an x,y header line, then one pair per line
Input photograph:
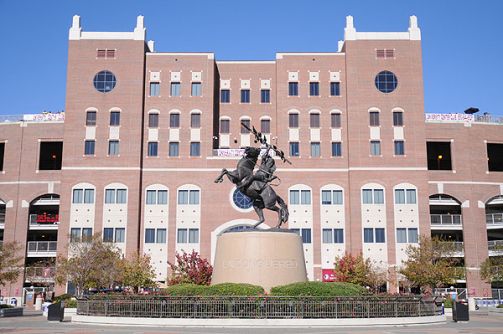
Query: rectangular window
x,y
439,155
315,150
195,149
2,154
161,236
495,157
181,236
401,235
174,149
175,89
121,196
378,196
89,196
225,125
110,196
397,118
193,235
183,197
293,89
374,118
412,234
196,89
294,149
162,197
245,122
265,126
293,120
335,121
77,196
336,149
375,147
115,118
91,118
153,120
314,120
108,234
155,89
120,234
50,155
306,235
399,196
174,120
335,89
87,234
367,196
225,96
338,235
399,147
152,149
149,235
337,197
113,147
294,197
75,235
380,235
195,121
326,197
194,197
151,197
265,96
411,196
327,236
89,147
305,197
245,96
368,235
314,88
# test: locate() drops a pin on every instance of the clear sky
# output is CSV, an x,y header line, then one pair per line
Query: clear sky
x,y
462,40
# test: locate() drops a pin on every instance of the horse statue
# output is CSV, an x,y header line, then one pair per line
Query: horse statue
x,y
257,186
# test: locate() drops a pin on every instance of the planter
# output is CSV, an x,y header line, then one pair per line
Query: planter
x,y
11,312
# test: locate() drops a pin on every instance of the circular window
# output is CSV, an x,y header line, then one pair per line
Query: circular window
x,y
386,81
104,81
241,200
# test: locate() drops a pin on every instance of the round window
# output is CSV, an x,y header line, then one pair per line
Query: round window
x,y
104,81
386,81
241,200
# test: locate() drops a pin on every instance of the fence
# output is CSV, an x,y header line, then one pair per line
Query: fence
x,y
494,218
446,219
42,246
261,307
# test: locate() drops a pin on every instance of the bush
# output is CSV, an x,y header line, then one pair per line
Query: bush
x,y
224,289
64,296
499,306
319,289
6,306
448,303
71,303
185,290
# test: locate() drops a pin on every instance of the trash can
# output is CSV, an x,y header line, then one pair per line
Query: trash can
x,y
56,311
460,311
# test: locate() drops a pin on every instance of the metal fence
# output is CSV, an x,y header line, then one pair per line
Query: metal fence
x,y
494,218
446,219
261,307
42,246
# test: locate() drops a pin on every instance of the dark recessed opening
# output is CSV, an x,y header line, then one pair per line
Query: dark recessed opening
x,y
439,155
2,152
495,157
50,155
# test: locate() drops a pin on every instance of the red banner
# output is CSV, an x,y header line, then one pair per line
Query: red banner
x,y
328,275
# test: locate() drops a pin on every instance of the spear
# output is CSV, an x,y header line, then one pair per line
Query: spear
x,y
261,138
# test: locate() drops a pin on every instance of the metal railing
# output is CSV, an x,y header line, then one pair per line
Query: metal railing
x,y
494,218
461,293
495,245
44,220
497,293
270,307
446,219
454,246
42,246
40,274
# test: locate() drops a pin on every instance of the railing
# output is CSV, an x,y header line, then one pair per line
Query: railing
x,y
42,246
454,247
44,219
459,272
2,218
446,219
488,119
495,245
270,307
494,218
497,293
40,274
461,293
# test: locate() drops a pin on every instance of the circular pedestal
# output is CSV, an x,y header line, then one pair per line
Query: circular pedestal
x,y
265,258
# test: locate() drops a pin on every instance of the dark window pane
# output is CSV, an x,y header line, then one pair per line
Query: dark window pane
x,y
89,147
115,118
2,154
195,149
314,88
195,121
51,154
335,89
380,236
108,235
397,118
152,149
91,118
104,81
225,96
399,147
495,157
245,96
294,149
439,155
175,89
153,120
335,120
155,89
293,120
386,81
246,122
265,126
293,88
196,89
265,96
336,149
174,149
374,118
314,120
225,126
174,120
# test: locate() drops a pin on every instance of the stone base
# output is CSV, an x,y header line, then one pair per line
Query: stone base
x,y
267,258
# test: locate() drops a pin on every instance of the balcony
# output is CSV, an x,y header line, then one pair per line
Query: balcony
x,y
446,221
42,248
454,248
44,221
2,218
494,219
40,274
495,247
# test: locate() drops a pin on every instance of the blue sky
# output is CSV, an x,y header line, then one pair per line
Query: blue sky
x,y
462,40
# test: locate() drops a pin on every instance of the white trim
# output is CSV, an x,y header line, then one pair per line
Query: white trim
x,y
388,168
30,182
280,55
467,182
246,62
297,170
101,168
210,55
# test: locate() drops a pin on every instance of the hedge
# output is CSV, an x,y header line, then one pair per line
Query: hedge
x,y
223,289
319,289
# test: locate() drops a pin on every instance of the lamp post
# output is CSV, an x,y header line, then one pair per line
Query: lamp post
x,y
439,159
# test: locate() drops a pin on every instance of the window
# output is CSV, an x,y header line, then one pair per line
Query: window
x,y
151,197
240,200
149,235
113,147
88,196
194,197
120,234
115,118
399,147
155,89
397,118
338,235
314,120
385,53
193,235
305,197
109,196
386,81
245,122
439,155
315,150
378,196
374,118
335,235
265,126
75,235
196,89
161,236
368,235
373,196
195,121
314,89
80,196
175,89
225,126
113,196
91,118
174,120
121,196
294,149
245,96
2,154
305,234
327,236
77,196
188,196
375,147
401,235
225,96
153,120
495,157
293,89
265,96
51,154
336,149
195,149
181,236
162,197
411,196
104,81
106,53
294,197
329,197
108,234
89,147
293,120
380,235
87,234
335,120
174,149
335,89
152,149
412,234
399,196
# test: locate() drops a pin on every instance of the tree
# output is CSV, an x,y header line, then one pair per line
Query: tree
x,y
190,268
137,272
360,271
492,269
10,262
429,264
89,264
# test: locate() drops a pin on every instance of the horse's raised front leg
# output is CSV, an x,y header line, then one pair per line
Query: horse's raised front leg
x,y
220,178
260,213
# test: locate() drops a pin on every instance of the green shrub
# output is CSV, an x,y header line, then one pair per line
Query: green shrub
x,y
233,289
499,306
71,303
6,306
448,303
319,289
64,296
185,290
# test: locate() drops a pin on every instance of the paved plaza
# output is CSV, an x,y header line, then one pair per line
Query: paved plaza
x,y
481,322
